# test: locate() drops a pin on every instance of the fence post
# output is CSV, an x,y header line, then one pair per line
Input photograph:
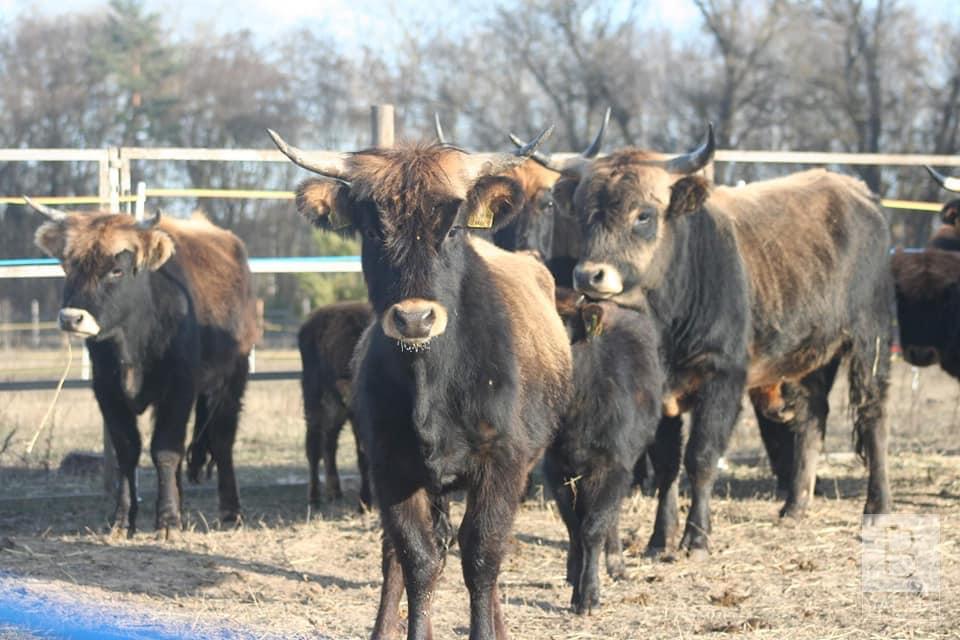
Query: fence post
x,y
381,125
113,179
141,203
35,322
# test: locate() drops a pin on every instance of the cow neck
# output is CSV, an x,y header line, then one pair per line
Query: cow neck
x,y
146,333
700,281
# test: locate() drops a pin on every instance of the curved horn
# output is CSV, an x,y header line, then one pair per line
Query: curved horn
x,y
329,164
438,128
53,214
594,149
572,163
494,163
695,160
948,183
149,223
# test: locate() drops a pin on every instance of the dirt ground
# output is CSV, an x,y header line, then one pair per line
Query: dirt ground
x,y
286,573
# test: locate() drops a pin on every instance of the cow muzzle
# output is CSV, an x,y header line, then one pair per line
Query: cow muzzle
x,y
78,321
921,356
415,322
597,279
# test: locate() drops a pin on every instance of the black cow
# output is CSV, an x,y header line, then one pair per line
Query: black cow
x,y
326,341
461,379
751,287
168,311
928,307
618,385
947,236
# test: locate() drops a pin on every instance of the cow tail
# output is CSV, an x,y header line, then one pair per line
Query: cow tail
x,y
869,380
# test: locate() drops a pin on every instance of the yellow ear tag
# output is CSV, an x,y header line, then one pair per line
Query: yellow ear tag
x,y
594,325
481,218
337,221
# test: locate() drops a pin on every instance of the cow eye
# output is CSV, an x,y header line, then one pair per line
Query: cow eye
x,y
643,220
454,231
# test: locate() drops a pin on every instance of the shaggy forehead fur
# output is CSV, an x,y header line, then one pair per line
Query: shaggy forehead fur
x,y
407,183
86,238
925,275
625,174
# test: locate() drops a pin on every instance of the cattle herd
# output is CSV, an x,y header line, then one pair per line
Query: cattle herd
x,y
522,307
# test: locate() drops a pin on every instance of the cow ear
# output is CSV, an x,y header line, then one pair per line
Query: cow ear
x,y
157,249
687,195
592,319
51,237
563,190
950,211
493,202
323,202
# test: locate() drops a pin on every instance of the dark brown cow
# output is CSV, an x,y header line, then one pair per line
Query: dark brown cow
x,y
752,287
326,341
928,307
168,311
611,421
947,237
462,377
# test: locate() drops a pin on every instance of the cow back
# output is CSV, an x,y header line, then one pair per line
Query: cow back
x,y
214,262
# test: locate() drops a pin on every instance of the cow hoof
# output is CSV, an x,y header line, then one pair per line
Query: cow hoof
x,y
655,553
230,519
694,542
588,600
698,555
872,519
793,511
616,569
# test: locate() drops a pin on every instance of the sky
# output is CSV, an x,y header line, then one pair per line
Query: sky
x,y
368,21
353,20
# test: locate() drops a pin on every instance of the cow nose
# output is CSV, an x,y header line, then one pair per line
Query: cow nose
x,y
414,322
597,278
70,319
920,356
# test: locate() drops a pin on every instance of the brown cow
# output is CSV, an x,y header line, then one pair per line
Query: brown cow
x,y
167,309
461,379
752,287
326,341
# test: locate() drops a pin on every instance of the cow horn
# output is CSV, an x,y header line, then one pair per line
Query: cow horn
x,y
150,223
53,214
494,163
594,149
695,160
438,128
948,183
329,164
571,163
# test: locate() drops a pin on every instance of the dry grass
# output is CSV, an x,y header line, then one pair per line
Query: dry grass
x,y
284,576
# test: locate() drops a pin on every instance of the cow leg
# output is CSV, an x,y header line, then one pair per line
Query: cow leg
x,y
714,416
562,490
613,549
121,423
869,378
222,433
810,397
778,440
666,463
363,466
171,414
491,506
599,503
411,518
200,444
325,418
387,626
